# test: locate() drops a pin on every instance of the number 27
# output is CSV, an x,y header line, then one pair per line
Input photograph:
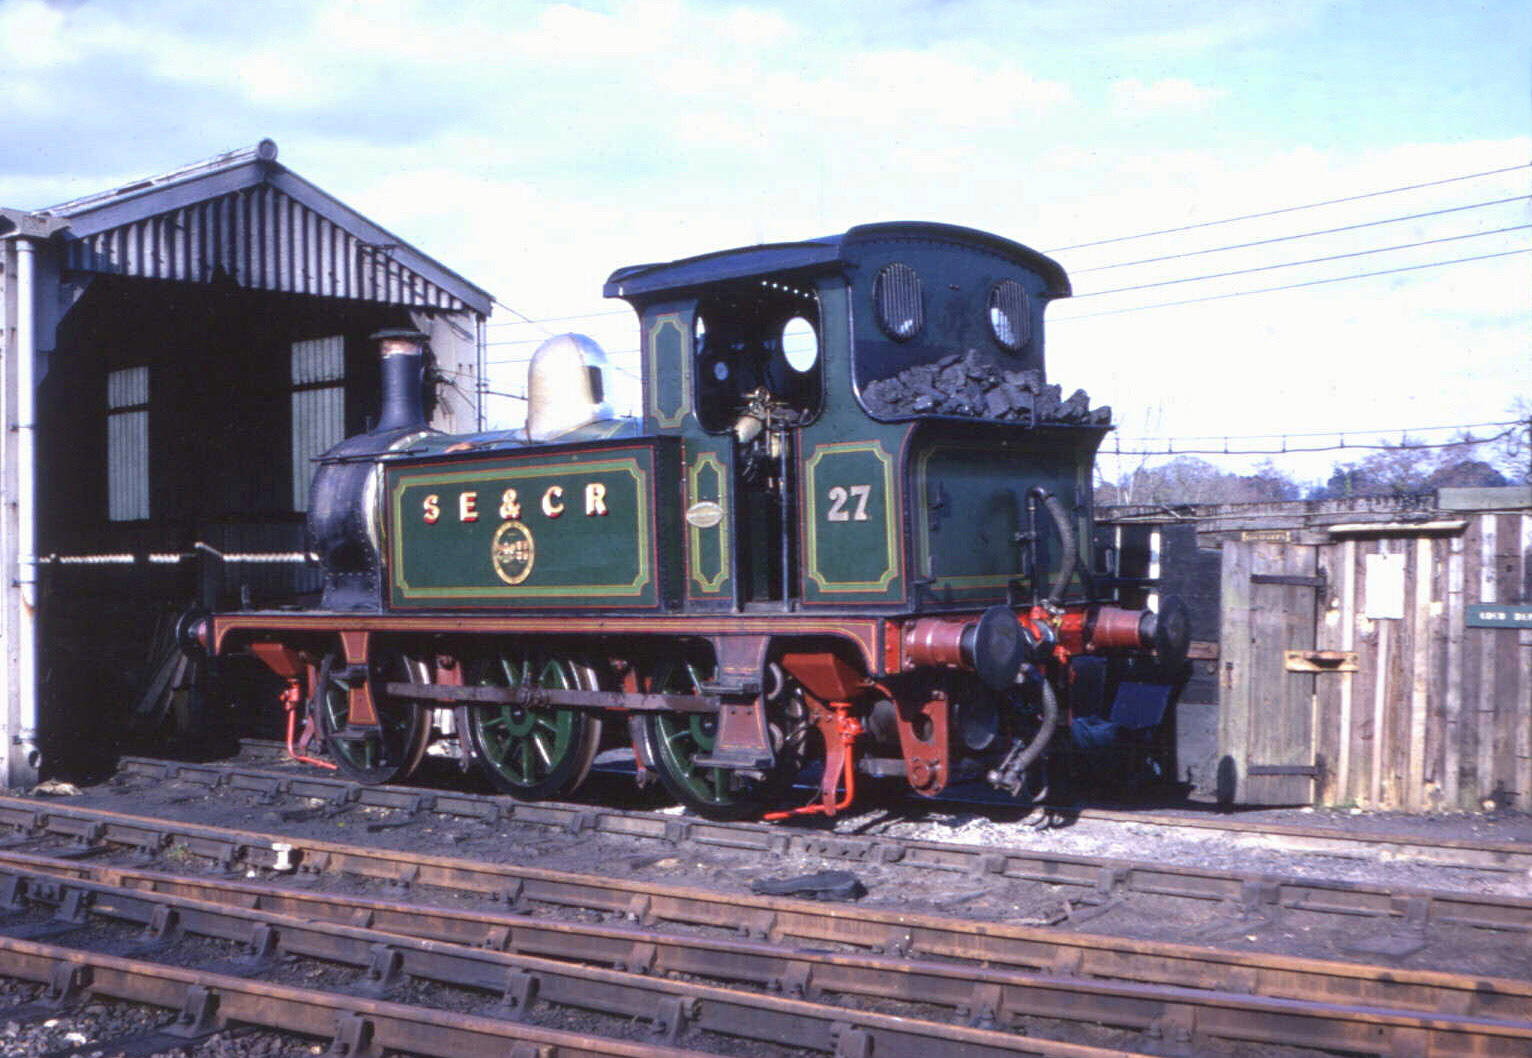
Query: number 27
x,y
840,497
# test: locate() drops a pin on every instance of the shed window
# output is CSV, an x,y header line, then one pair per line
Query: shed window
x,y
127,444
319,407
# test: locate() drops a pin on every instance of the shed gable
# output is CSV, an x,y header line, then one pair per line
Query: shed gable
x,y
263,239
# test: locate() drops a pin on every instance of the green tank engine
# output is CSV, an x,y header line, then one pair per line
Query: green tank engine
x,y
851,526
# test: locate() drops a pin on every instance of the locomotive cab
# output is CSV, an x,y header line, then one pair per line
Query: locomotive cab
x,y
866,415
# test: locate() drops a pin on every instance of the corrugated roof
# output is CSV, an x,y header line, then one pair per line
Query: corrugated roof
x,y
244,216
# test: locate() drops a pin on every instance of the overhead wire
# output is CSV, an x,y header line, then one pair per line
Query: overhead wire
x,y
562,319
1342,447
1291,286
1306,261
517,312
1293,209
1300,235
1401,430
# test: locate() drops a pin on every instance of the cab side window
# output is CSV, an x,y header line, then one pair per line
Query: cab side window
x,y
756,341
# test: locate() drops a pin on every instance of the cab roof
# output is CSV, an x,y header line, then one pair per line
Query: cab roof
x,y
827,254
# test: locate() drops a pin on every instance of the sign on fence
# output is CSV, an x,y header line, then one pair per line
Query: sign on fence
x,y
1499,615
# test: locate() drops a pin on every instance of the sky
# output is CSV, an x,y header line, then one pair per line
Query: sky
x,y
536,147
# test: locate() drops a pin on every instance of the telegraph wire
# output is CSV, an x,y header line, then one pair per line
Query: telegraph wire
x,y
512,360
1409,446
1402,430
1291,209
561,319
517,312
1300,235
1291,286
525,320
1307,261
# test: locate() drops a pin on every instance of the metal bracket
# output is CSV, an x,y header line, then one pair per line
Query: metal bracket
x,y
1321,661
354,1038
68,985
985,1005
672,1017
796,982
640,959
262,947
385,969
10,893
521,987
851,1042
198,1016
1288,580
75,906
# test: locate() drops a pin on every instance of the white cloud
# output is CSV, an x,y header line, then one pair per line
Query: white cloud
x,y
1137,98
33,36
536,147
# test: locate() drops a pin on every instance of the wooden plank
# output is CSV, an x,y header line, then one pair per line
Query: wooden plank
x,y
1328,737
1521,690
1380,739
1397,705
1234,677
1436,672
1484,707
1508,711
1452,701
1420,668
1363,735
1348,617
1468,720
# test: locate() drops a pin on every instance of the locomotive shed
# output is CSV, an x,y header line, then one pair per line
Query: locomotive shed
x,y
844,554
194,340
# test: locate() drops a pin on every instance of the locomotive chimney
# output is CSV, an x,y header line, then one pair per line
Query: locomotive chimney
x,y
403,354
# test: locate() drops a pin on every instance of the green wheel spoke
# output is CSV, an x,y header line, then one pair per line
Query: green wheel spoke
x,y
675,742
402,724
530,753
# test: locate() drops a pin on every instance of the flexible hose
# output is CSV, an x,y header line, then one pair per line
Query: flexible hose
x,y
1008,776
1069,541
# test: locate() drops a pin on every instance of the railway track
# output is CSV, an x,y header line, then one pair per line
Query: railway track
x,y
1087,880
481,960
1510,857
204,1003
984,974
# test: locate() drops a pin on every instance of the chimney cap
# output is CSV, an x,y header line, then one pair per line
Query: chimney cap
x,y
402,334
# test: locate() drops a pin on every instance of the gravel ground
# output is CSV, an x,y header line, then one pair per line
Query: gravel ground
x,y
1226,851
981,898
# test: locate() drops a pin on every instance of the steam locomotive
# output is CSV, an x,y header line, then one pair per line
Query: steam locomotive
x,y
851,528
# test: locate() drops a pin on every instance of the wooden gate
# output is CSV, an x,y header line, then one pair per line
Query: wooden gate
x,y
1271,598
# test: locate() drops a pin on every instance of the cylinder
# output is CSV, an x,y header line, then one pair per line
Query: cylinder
x,y
992,645
934,642
1119,629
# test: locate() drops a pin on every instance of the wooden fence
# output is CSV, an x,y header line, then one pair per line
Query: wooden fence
x,y
1342,664
1437,715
